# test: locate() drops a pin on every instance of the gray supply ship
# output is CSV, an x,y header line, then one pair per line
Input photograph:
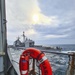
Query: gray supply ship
x,y
27,43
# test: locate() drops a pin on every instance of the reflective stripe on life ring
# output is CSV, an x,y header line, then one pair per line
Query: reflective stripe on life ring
x,y
42,60
39,56
24,72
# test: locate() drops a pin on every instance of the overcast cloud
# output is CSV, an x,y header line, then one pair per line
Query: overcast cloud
x,y
56,24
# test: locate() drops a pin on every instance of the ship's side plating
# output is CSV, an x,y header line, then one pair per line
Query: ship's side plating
x,y
3,41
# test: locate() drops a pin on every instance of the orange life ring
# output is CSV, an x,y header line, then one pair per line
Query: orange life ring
x,y
39,56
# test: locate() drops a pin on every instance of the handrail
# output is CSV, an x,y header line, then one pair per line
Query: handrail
x,y
69,53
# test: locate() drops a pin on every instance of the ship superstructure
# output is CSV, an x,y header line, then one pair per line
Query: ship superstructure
x,y
26,42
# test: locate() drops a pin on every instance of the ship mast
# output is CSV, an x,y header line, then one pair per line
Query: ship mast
x,y
24,37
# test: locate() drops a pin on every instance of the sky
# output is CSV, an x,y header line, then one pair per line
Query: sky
x,y
44,21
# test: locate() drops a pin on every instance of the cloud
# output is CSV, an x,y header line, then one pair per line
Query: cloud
x,y
19,16
31,32
55,36
23,12
56,19
51,21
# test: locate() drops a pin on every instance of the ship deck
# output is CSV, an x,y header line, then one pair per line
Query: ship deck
x,y
14,56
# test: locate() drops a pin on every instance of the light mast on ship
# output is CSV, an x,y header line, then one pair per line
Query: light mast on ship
x,y
24,37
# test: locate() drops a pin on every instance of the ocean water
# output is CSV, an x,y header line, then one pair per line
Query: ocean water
x,y
59,63
65,47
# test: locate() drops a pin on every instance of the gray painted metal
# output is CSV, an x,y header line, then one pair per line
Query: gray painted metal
x,y
1,57
0,30
1,64
70,53
3,41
